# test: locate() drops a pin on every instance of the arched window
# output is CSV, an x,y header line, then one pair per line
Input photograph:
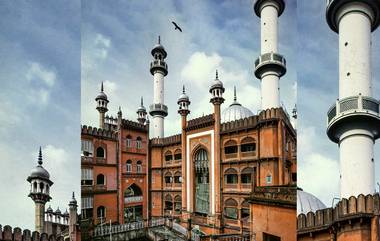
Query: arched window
x,y
202,194
230,147
132,191
35,187
128,166
177,155
101,212
139,167
230,176
100,180
268,178
168,178
246,175
129,141
168,156
168,203
248,144
177,177
138,142
177,204
100,152
230,210
244,210
42,187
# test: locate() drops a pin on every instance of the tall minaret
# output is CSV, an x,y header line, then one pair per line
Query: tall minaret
x,y
141,113
183,110
354,120
73,207
217,99
40,184
159,69
270,65
102,103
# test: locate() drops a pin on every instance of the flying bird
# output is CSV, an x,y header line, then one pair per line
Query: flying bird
x,y
176,26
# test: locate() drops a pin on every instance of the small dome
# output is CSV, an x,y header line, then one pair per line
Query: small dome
x,y
49,210
307,202
141,107
101,95
39,172
183,97
66,213
159,48
58,211
235,111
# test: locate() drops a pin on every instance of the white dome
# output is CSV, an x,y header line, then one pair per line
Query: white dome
x,y
307,202
235,112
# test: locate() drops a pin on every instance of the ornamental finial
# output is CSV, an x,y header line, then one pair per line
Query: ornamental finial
x,y
40,157
235,93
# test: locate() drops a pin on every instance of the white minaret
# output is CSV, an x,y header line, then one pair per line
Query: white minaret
x,y
354,120
270,65
158,68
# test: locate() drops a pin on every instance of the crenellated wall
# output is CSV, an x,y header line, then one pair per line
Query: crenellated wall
x,y
350,217
16,234
89,130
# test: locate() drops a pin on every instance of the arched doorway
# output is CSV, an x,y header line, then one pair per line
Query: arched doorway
x,y
202,193
133,209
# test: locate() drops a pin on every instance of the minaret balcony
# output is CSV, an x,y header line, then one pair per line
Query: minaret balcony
x,y
270,62
354,112
158,109
333,7
257,7
158,65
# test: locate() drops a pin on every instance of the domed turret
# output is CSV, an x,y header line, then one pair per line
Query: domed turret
x,y
235,111
307,202
217,90
183,102
141,113
102,102
40,184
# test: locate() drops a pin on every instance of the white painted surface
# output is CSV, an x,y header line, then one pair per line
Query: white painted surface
x,y
158,126
212,171
356,163
269,29
270,91
354,51
158,98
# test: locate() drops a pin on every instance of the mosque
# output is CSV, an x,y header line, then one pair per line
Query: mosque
x,y
231,171
354,124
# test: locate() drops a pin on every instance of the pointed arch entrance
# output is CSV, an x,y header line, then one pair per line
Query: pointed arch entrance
x,y
202,177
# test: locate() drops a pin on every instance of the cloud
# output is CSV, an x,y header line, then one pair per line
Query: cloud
x,y
101,46
36,72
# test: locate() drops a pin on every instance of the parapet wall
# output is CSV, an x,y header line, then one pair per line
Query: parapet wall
x,y
347,209
89,130
7,234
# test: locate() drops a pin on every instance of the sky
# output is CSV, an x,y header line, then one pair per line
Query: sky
x,y
117,38
40,95
317,71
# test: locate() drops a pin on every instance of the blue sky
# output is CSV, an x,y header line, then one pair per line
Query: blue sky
x,y
317,69
117,38
40,103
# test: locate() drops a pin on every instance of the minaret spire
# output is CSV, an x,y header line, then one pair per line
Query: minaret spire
x,y
270,65
159,69
40,157
101,87
354,119
235,99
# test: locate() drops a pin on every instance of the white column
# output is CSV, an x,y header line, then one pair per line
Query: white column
x,y
158,126
158,95
357,164
355,51
356,145
270,91
269,28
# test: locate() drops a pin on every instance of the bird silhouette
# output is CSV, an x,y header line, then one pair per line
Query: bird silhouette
x,y
176,26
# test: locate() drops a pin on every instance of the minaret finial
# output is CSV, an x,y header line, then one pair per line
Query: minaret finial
x,y
142,101
101,88
159,39
40,157
235,93
73,195
183,89
216,74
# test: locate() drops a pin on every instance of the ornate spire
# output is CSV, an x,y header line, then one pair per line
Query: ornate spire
x,y
235,99
159,39
40,157
183,89
142,101
216,74
101,87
